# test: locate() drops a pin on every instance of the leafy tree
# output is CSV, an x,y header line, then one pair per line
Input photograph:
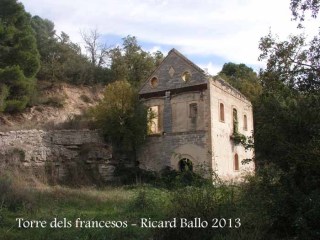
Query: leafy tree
x,y
131,63
294,62
299,7
122,117
243,78
287,131
19,57
61,59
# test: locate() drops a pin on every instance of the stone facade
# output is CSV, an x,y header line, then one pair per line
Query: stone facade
x,y
59,152
188,121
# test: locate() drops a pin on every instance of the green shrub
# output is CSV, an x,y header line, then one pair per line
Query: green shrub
x,y
86,99
142,201
206,203
56,101
14,196
134,175
77,122
15,105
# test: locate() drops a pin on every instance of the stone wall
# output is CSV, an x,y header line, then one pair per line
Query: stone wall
x,y
59,154
166,150
223,148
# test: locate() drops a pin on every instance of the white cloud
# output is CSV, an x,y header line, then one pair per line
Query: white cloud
x,y
211,68
229,29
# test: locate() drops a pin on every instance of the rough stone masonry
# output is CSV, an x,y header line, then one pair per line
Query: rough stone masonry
x,y
59,152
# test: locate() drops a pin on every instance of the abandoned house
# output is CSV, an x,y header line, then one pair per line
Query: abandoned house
x,y
194,120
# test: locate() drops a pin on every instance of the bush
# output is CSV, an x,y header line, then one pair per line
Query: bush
x,y
56,101
134,175
142,201
173,179
14,196
15,106
86,99
206,203
275,207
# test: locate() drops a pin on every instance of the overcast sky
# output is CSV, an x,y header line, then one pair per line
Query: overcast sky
x,y
209,32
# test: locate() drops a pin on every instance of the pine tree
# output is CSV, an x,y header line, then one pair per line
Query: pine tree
x,y
19,57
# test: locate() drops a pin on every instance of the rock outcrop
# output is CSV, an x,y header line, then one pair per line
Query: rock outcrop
x,y
60,154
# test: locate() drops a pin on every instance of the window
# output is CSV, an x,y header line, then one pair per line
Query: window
x,y
185,164
193,110
235,120
221,112
245,123
154,82
236,162
186,76
153,116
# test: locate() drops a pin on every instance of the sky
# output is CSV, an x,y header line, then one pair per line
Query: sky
x,y
208,32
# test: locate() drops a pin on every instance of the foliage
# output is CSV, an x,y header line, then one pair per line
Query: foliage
x,y
97,51
130,62
299,7
294,62
61,59
238,138
287,134
243,78
19,57
204,203
122,117
13,194
277,207
55,101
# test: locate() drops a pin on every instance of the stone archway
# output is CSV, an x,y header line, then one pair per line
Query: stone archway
x,y
194,153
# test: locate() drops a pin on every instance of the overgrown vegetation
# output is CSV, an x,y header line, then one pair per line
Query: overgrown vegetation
x,y
122,118
280,202
30,49
19,57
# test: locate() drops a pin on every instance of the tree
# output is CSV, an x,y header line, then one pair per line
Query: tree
x,y
122,117
130,62
299,7
294,61
97,51
287,131
243,78
61,59
19,57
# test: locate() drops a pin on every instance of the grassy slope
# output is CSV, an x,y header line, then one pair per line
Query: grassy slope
x,y
88,204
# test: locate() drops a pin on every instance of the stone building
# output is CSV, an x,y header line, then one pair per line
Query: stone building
x,y
194,118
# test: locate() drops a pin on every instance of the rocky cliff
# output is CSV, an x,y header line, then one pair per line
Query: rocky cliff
x,y
60,154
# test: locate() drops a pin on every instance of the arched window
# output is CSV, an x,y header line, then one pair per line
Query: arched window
x,y
245,123
153,116
185,164
236,162
154,82
221,112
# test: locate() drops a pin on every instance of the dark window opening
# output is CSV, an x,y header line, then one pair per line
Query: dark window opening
x,y
245,123
221,112
185,165
193,110
236,162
